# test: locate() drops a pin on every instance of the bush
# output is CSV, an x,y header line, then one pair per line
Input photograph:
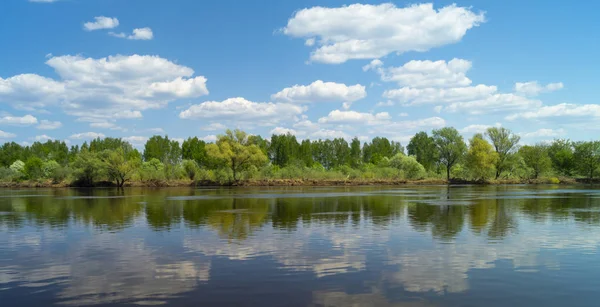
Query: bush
x,y
190,168
7,174
18,168
408,165
33,168
49,167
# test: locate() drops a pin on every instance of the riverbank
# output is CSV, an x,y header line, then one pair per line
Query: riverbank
x,y
296,182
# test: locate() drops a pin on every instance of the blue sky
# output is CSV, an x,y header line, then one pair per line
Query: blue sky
x,y
76,69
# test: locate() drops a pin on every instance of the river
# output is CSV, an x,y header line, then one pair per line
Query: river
x,y
301,246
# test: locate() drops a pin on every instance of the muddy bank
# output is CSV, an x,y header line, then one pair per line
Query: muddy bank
x,y
292,182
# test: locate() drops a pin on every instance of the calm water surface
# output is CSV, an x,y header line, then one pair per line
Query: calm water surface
x,y
371,246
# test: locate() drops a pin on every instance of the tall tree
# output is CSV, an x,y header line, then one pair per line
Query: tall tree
x,y
536,157
505,143
450,146
194,149
422,147
355,152
587,158
234,152
561,154
120,165
481,157
161,148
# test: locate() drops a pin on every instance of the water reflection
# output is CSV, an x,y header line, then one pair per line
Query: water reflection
x,y
417,246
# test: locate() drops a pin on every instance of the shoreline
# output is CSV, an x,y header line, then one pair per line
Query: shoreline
x,y
293,182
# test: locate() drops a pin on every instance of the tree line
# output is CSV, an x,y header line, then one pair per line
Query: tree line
x,y
237,155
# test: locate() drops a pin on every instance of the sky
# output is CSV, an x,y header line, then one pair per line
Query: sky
x,y
74,70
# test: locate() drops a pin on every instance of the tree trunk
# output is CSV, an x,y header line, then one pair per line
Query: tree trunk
x,y
448,173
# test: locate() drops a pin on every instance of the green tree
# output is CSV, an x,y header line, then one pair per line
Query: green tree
x,y
450,146
194,149
536,157
505,143
587,158
11,152
423,148
481,158
87,167
161,148
561,154
119,166
232,151
190,167
33,168
355,152
410,167
283,149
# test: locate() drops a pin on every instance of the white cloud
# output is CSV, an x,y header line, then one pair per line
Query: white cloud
x,y
562,110
135,140
209,138
426,123
438,109
373,65
26,120
472,129
101,22
353,117
49,125
544,132
281,130
428,82
137,34
364,31
113,87
86,135
329,134
6,135
423,74
320,91
240,109
43,138
306,125
403,114
533,88
417,96
105,125
214,127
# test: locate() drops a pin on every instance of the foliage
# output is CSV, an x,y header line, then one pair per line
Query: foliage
x,y
561,154
536,157
87,167
18,167
153,170
191,169
161,148
481,158
505,143
451,147
587,158
194,149
423,148
408,165
33,168
119,166
233,152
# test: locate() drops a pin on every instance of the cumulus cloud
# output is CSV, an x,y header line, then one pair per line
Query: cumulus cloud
x,y
544,132
562,110
329,134
26,120
86,136
209,138
446,83
240,109
49,125
281,130
353,117
112,87
101,22
137,34
472,129
320,91
214,127
423,74
136,140
6,135
43,138
373,65
533,88
364,31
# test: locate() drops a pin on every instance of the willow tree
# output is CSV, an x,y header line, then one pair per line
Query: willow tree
x,y
450,146
481,157
536,157
233,151
505,143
